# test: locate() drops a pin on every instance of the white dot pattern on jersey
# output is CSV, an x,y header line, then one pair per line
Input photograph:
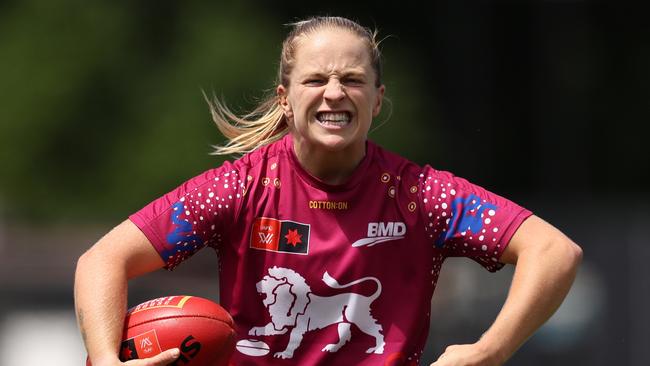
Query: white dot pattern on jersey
x,y
203,207
438,197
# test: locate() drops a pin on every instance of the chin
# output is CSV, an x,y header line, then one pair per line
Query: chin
x,y
332,142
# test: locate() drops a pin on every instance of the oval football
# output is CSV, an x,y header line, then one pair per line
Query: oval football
x,y
200,328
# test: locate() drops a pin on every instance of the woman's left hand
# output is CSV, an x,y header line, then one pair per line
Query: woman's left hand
x,y
466,355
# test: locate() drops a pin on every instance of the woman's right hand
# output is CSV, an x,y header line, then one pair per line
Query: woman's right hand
x,y
162,359
101,288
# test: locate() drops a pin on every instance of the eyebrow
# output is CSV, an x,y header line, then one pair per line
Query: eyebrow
x,y
350,73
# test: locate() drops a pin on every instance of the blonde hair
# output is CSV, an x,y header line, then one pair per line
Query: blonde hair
x,y
267,122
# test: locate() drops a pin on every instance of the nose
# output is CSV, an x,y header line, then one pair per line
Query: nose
x,y
334,90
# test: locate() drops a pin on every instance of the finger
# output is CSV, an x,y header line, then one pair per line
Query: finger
x,y
165,358
161,359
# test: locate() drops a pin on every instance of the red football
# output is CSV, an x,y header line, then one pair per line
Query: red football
x,y
201,329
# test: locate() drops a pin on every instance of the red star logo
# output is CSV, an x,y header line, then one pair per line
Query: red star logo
x,y
293,237
126,353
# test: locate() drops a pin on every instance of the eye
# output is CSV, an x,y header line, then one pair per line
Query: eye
x,y
314,82
353,81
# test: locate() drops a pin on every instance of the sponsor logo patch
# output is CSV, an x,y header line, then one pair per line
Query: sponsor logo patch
x,y
284,236
380,232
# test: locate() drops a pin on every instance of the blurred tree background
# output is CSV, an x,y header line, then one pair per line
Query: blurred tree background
x,y
102,107
544,101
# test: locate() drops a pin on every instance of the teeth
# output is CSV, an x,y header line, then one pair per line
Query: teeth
x,y
333,117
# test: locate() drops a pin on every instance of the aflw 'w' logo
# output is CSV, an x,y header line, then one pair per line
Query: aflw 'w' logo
x,y
379,232
284,236
265,237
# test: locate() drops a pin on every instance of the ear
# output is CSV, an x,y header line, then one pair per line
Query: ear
x,y
380,98
283,100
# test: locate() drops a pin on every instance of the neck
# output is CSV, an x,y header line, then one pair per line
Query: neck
x,y
331,167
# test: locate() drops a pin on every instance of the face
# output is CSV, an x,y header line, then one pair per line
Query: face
x,y
332,97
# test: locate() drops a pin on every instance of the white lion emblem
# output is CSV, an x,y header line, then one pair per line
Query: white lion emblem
x,y
292,305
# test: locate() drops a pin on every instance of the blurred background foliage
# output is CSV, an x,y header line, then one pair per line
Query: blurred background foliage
x,y
102,107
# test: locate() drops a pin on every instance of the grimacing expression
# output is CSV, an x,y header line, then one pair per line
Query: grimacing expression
x,y
332,97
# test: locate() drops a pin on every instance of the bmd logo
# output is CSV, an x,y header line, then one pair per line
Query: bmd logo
x,y
386,229
379,232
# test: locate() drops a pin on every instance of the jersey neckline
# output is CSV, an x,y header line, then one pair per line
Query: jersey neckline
x,y
353,181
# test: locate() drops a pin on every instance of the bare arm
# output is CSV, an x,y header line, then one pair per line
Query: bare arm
x,y
546,264
100,292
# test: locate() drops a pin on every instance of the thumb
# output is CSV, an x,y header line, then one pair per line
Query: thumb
x,y
439,361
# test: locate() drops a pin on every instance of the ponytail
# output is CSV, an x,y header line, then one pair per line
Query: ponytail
x,y
262,126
